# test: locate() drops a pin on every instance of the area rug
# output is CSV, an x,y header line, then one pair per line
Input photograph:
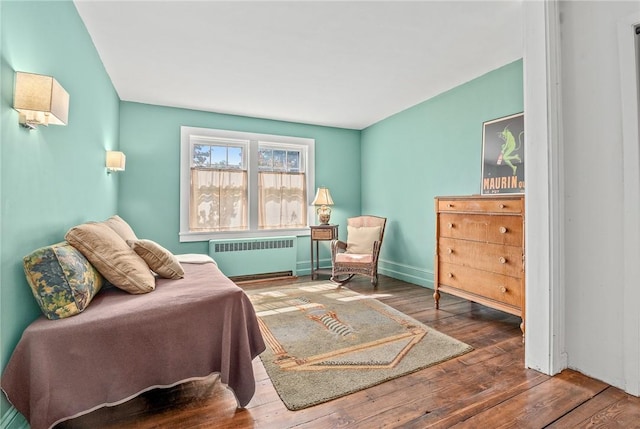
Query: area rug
x,y
324,342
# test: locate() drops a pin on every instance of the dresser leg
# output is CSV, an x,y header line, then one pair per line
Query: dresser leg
x,y
522,329
436,298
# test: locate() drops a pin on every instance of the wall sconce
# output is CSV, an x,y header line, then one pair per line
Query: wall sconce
x,y
323,199
115,161
40,100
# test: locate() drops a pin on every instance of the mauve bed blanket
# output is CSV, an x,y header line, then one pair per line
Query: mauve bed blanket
x,y
123,345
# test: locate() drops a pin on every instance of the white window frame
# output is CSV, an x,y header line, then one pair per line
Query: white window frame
x,y
252,167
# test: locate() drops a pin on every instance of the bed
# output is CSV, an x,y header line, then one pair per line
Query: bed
x,y
124,344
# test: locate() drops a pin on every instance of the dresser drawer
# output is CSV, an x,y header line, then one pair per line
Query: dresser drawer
x,y
485,228
322,233
504,289
496,258
480,205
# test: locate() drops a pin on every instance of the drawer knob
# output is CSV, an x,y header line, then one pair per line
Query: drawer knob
x,y
449,250
503,289
503,230
450,275
503,260
501,206
450,225
450,205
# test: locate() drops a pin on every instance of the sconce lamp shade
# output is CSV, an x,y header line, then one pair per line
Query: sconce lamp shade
x,y
323,199
115,160
41,100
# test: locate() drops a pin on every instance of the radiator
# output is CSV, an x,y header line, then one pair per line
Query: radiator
x,y
255,256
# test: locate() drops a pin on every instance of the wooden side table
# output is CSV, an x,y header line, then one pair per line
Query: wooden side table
x,y
320,233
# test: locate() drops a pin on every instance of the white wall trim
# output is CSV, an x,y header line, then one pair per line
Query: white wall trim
x,y
558,359
409,273
12,419
629,75
545,327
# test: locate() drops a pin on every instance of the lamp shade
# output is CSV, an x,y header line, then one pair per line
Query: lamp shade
x,y
115,160
323,198
41,100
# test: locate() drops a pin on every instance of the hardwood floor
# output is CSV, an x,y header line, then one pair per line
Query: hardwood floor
x,y
486,388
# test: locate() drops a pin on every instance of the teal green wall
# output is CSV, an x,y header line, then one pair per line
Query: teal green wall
x,y
431,149
149,193
54,177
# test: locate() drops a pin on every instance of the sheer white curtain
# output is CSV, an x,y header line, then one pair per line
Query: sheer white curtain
x,y
218,200
282,200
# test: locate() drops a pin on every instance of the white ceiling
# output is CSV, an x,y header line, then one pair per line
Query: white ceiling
x,y
346,64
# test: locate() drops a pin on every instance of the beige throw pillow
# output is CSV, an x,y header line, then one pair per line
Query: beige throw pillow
x,y
121,227
112,257
159,259
360,240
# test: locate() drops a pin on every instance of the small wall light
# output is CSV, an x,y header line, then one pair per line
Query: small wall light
x,y
40,100
323,199
115,161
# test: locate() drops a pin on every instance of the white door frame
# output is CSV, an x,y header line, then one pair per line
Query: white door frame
x,y
629,55
544,336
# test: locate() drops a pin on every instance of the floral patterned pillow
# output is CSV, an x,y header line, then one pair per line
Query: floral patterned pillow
x,y
62,280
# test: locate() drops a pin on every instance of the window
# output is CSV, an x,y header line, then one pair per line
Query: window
x,y
218,191
282,190
236,184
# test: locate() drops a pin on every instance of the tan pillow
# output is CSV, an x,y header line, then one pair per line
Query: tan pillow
x,y
360,240
112,257
121,227
159,259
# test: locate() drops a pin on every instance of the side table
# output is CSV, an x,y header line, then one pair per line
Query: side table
x,y
320,233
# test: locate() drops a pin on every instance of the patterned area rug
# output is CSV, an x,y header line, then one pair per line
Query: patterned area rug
x,y
324,342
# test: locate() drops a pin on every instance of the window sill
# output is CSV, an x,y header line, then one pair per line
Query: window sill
x,y
186,237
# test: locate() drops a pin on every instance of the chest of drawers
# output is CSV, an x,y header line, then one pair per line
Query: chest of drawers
x,y
479,251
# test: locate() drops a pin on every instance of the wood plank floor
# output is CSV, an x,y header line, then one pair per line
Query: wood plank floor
x,y
486,388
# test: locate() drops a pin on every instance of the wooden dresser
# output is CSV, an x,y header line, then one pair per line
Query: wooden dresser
x,y
480,250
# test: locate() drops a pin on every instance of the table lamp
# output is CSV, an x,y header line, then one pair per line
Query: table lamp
x,y
323,199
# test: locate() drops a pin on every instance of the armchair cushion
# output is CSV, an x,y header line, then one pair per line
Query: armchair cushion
x,y
360,239
351,258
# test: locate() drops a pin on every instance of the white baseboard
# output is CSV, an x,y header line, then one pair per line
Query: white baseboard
x,y
408,273
12,419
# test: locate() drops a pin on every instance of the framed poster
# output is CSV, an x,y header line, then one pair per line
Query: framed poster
x,y
503,155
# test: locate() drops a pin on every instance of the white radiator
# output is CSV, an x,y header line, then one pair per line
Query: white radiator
x,y
255,256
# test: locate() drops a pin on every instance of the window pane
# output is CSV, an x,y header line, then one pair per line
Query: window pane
x,y
265,159
218,156
201,155
235,157
279,159
293,161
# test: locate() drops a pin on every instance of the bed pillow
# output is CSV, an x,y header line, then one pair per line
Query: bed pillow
x,y
360,240
112,256
62,280
121,227
159,259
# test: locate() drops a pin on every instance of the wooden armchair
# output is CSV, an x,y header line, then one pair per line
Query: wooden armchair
x,y
359,255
